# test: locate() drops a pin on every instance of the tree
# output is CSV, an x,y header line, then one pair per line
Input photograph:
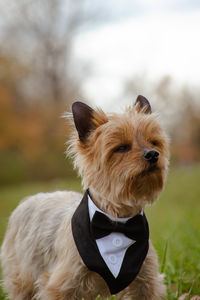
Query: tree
x,y
40,35
38,78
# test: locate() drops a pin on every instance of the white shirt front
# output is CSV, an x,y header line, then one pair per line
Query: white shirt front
x,y
112,247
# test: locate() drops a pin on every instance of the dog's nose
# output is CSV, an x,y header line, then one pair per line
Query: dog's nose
x,y
151,155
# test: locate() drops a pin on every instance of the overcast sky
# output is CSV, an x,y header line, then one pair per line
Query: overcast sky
x,y
150,37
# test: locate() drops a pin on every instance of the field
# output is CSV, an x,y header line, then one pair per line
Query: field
x,y
174,225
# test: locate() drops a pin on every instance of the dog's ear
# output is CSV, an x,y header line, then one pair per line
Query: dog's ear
x,y
82,114
143,105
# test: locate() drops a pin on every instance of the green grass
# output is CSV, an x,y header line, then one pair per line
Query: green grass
x,y
175,231
174,225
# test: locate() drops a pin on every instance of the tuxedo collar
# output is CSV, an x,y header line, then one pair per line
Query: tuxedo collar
x,y
93,208
89,252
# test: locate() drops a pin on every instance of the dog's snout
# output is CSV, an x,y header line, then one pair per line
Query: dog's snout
x,y
151,155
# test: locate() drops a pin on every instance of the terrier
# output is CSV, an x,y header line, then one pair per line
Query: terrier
x,y
66,246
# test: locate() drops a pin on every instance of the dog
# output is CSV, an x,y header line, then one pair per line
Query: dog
x,y
68,246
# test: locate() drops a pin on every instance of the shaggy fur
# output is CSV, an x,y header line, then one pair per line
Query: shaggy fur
x,y
39,256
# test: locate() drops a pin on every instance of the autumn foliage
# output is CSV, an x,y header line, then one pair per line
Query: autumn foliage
x,y
32,137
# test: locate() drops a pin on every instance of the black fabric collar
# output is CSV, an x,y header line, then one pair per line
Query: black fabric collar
x,y
92,258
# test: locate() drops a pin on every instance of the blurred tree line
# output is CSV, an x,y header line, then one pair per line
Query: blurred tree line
x,y
39,79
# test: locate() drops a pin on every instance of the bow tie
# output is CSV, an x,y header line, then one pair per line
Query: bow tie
x,y
135,228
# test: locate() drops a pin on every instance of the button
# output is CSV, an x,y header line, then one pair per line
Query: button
x,y
112,258
117,242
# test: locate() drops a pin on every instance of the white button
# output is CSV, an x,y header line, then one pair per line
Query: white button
x,y
117,242
112,258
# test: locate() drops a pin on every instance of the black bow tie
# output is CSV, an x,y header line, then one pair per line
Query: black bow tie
x,y
135,228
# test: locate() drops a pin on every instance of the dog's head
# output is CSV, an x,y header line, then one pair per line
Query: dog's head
x,y
123,158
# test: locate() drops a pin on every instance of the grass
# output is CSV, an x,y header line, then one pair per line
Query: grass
x,y
174,225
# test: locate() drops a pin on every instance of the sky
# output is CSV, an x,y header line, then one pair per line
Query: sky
x,y
150,38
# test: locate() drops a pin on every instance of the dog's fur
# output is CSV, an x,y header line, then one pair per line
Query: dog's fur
x,y
39,256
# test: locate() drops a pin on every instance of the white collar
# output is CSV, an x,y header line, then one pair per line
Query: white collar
x,y
93,208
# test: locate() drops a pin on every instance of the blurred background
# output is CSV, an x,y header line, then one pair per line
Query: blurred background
x,y
105,53
53,52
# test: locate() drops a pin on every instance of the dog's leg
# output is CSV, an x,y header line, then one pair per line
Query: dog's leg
x,y
59,285
50,287
149,289
18,288
63,285
148,284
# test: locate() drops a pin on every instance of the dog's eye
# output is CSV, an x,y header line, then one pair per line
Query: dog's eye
x,y
123,148
154,143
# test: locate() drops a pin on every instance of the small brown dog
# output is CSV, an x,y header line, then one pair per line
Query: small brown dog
x,y
65,246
